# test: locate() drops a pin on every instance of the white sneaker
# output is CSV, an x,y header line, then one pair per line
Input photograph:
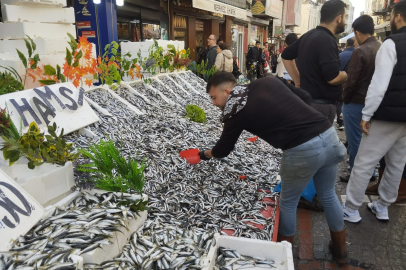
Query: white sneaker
x,y
381,212
350,215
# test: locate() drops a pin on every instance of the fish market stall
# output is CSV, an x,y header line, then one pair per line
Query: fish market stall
x,y
189,206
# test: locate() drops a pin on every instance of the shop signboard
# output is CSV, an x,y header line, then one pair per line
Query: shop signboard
x,y
278,31
218,7
273,8
19,212
60,103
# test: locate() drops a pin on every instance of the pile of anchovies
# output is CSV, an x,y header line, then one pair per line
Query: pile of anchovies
x,y
207,195
197,200
162,247
86,224
229,259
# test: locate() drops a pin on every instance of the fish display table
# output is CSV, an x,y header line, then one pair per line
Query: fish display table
x,y
187,203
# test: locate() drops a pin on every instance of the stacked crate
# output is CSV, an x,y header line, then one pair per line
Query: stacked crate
x,y
47,22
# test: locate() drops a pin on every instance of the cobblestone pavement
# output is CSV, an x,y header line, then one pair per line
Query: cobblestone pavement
x,y
372,244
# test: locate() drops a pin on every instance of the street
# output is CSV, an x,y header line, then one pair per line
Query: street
x,y
371,244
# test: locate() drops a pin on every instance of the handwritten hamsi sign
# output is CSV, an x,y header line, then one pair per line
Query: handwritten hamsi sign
x,y
19,212
60,103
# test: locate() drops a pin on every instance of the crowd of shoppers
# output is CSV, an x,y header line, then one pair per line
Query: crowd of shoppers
x,y
298,116
374,103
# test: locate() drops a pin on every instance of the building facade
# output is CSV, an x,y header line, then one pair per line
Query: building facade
x,y
349,16
310,16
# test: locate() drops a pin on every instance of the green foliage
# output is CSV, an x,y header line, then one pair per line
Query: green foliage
x,y
10,83
32,60
110,170
33,146
195,113
201,69
7,127
110,71
136,206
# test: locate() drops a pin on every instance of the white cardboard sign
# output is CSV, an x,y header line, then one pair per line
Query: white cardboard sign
x,y
19,212
60,103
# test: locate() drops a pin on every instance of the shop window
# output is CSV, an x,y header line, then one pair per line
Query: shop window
x,y
123,31
151,31
180,29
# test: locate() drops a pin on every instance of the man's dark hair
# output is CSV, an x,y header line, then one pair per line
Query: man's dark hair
x,y
219,78
219,40
400,8
257,42
364,24
331,9
350,42
290,38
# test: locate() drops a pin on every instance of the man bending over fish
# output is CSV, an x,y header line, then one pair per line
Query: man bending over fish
x,y
311,149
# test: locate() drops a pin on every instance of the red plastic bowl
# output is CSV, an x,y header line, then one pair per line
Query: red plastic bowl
x,y
191,155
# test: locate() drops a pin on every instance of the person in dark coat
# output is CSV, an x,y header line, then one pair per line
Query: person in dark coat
x,y
253,55
212,53
236,69
274,61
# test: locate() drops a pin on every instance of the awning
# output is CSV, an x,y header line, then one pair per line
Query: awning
x,y
344,39
383,27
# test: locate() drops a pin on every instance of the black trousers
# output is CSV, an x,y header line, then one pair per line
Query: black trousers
x,y
339,106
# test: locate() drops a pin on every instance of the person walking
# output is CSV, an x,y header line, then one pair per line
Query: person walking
x,y
274,61
345,57
311,149
212,53
290,38
360,71
252,60
224,59
385,134
266,52
280,68
319,69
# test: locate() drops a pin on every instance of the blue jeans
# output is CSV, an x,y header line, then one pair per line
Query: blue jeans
x,y
318,159
352,114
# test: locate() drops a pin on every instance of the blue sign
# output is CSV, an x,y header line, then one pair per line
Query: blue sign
x,y
86,21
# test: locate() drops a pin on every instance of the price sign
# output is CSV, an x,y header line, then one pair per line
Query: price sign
x,y
19,212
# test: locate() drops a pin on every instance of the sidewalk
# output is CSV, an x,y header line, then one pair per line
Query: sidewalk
x,y
371,244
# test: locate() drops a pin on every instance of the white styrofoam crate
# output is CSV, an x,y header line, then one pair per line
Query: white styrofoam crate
x,y
37,14
107,252
20,30
281,253
58,3
44,183
44,46
8,60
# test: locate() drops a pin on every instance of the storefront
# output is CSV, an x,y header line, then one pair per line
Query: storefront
x,y
193,25
141,20
382,30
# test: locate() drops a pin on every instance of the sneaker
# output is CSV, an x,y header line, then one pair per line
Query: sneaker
x,y
350,215
340,127
381,213
345,178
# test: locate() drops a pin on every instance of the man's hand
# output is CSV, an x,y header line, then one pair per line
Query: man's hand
x,y
205,155
365,127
